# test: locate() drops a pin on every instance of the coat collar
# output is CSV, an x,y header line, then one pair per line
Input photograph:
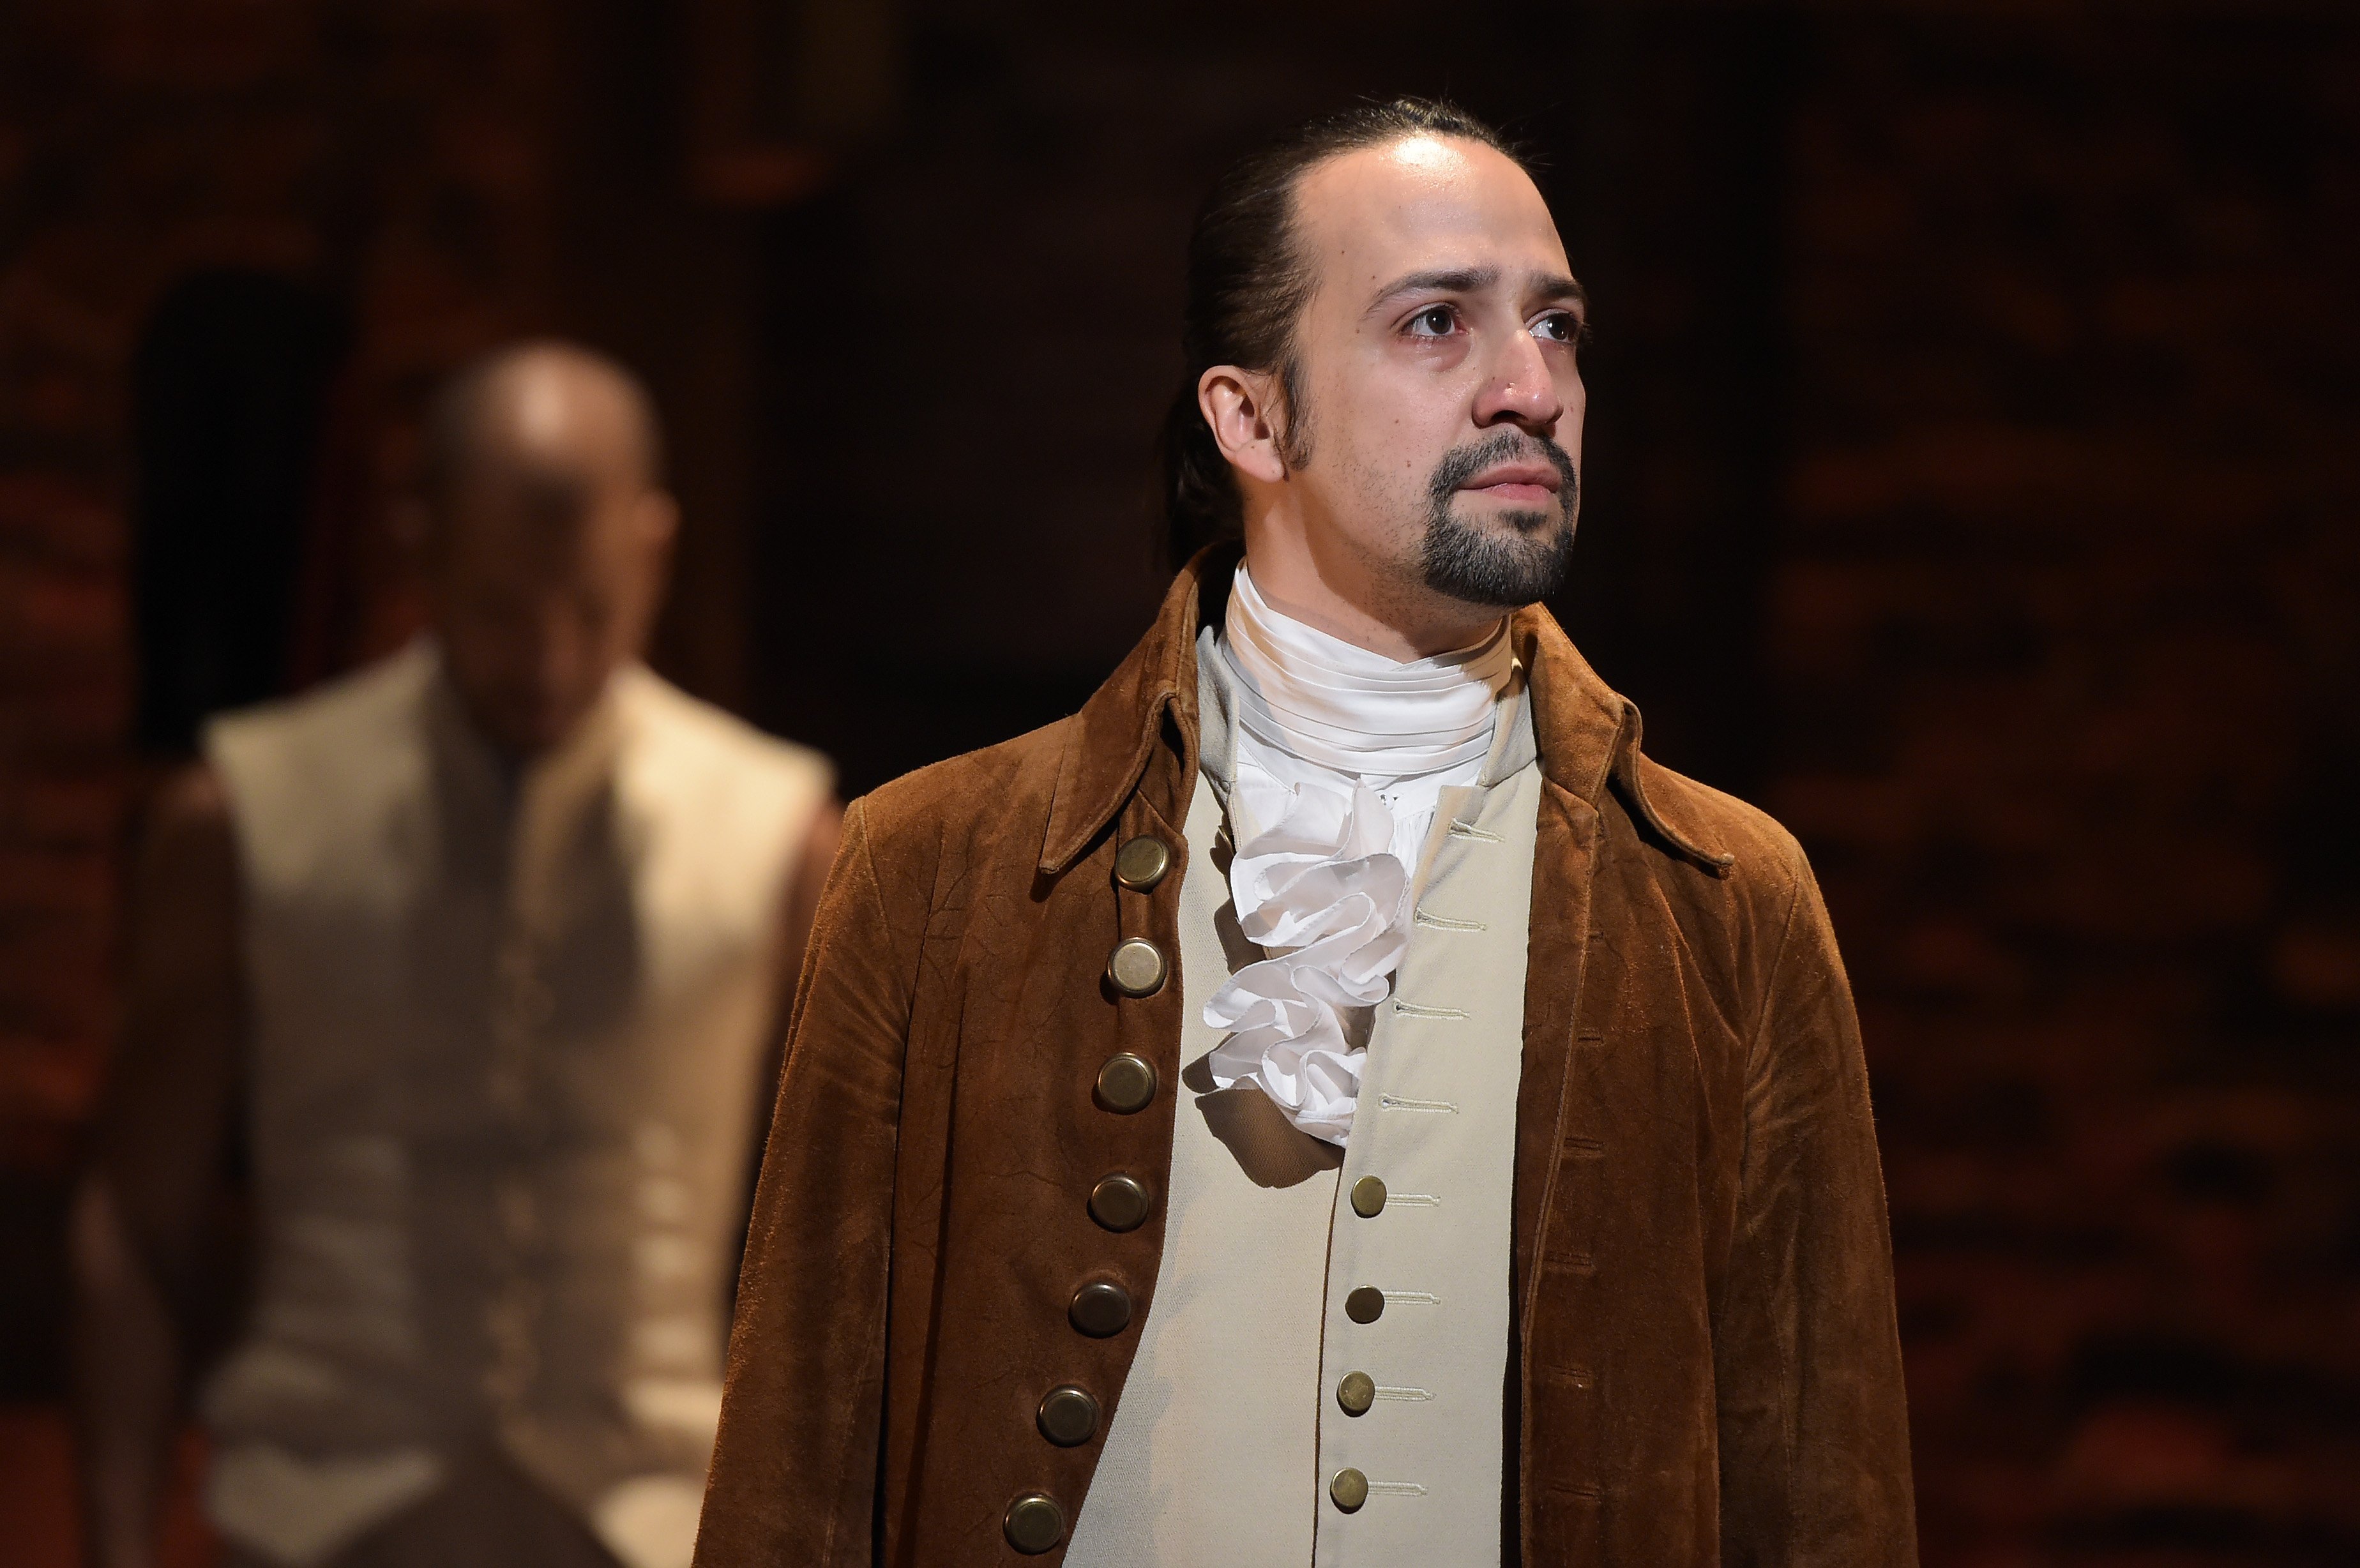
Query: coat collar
x,y
1587,733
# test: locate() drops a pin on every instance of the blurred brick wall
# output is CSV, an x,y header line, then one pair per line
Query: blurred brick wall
x,y
2067,635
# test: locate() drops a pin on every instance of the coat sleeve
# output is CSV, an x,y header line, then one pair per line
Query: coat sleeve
x,y
1813,1421
795,1471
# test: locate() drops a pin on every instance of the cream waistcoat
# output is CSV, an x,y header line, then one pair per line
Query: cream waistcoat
x,y
506,1031
1229,1433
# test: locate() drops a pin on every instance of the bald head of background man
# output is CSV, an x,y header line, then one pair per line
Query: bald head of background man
x,y
544,534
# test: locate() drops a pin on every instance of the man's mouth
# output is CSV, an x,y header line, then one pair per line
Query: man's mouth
x,y
1517,483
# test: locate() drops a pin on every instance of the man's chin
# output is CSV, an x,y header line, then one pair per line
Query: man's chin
x,y
1485,514
528,730
1511,560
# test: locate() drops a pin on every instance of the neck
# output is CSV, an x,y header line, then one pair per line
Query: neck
x,y
1346,593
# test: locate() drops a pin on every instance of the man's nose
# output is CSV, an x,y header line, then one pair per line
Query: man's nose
x,y
1520,389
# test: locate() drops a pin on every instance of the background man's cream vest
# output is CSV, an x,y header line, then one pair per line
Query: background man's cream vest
x,y
507,1025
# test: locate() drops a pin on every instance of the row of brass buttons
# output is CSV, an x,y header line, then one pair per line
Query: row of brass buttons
x,y
1068,1416
1356,1392
1137,966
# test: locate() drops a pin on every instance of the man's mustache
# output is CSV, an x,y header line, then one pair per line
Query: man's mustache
x,y
1462,463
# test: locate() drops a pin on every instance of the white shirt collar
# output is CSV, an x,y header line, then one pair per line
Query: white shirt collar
x,y
1328,702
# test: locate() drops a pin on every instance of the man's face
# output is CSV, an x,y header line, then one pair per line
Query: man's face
x,y
539,590
1438,438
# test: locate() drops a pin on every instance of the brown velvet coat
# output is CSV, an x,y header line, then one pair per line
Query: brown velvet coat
x,y
1705,1367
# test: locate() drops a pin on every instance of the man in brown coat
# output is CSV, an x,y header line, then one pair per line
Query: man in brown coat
x,y
1332,1100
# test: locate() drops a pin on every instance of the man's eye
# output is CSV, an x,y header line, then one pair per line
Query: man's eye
x,y
1557,326
1434,322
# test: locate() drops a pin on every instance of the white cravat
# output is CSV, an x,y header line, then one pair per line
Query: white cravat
x,y
1342,757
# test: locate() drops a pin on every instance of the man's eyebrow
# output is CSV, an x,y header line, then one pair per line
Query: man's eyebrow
x,y
1438,280
1473,279
1560,288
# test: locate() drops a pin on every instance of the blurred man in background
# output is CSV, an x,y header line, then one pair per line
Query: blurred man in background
x,y
466,968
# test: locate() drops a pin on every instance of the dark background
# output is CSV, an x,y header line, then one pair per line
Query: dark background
x,y
1974,480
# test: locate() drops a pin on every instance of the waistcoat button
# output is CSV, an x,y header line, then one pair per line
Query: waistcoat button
x,y
1120,1202
1068,1416
1350,1489
1140,864
1369,1197
1356,1393
1100,1308
1136,967
1366,1305
1034,1524
1126,1083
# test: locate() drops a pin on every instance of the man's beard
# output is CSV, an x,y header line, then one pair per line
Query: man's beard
x,y
1525,555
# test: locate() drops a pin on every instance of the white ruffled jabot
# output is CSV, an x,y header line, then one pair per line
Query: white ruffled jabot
x,y
1321,890
1320,879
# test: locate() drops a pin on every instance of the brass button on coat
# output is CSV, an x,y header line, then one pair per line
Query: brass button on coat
x,y
1068,1416
1034,1523
1356,1393
1120,1202
1136,967
1140,864
1366,1305
1126,1083
1369,1197
1349,1488
1100,1308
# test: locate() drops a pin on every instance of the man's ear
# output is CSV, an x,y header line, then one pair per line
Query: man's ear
x,y
1247,413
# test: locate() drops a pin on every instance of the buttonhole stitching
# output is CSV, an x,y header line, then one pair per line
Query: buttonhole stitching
x,y
1413,1011
1396,1103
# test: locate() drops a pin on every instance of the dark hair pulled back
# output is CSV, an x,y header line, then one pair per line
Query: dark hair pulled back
x,y
1248,285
